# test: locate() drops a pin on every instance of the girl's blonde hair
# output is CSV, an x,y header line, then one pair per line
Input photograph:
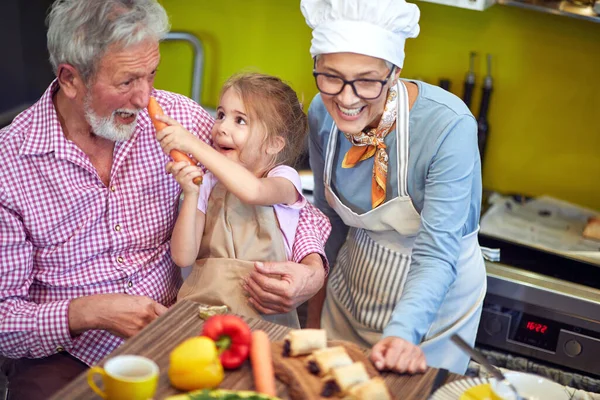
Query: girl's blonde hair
x,y
273,104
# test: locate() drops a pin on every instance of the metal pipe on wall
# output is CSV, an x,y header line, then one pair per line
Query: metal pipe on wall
x,y
198,54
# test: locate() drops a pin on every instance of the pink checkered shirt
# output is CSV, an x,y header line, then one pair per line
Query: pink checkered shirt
x,y
64,234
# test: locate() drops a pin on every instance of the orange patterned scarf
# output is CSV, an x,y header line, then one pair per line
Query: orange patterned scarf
x,y
367,144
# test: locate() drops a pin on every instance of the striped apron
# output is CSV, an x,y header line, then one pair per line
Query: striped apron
x,y
372,265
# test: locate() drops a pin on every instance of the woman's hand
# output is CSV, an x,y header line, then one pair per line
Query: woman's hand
x,y
184,174
395,354
175,137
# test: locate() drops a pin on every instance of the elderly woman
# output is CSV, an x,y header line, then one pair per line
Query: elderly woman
x,y
397,170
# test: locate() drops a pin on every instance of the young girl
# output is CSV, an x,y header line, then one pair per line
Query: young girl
x,y
248,205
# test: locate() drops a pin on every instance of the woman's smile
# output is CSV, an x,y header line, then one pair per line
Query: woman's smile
x,y
350,114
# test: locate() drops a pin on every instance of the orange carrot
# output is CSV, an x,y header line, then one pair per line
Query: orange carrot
x,y
262,363
154,109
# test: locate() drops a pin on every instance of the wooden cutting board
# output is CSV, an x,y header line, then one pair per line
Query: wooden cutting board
x,y
300,382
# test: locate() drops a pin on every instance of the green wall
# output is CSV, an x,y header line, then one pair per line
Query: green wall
x,y
545,110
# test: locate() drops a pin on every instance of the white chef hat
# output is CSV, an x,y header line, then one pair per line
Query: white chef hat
x,y
376,28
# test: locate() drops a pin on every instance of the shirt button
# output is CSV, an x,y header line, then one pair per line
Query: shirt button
x,y
60,349
120,260
129,284
113,188
117,227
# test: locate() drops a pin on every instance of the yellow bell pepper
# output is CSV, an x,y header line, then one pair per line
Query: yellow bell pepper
x,y
194,364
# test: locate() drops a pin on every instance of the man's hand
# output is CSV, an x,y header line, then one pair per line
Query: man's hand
x,y
120,314
396,354
280,287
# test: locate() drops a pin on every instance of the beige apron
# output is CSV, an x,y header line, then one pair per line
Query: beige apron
x,y
235,235
371,268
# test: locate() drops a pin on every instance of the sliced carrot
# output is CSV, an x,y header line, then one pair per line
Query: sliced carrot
x,y
262,363
154,109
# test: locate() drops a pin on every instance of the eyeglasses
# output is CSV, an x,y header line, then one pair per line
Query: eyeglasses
x,y
366,89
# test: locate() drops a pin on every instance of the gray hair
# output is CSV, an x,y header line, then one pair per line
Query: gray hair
x,y
81,31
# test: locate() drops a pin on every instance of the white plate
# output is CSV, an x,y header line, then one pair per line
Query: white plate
x,y
531,386
453,390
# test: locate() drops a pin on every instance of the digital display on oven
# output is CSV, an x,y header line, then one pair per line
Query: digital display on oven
x,y
534,331
537,327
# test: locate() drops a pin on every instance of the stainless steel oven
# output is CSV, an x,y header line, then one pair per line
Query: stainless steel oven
x,y
543,307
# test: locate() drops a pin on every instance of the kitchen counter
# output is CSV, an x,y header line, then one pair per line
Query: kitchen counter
x,y
159,338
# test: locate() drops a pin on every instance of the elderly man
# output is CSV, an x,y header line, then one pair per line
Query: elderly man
x,y
86,208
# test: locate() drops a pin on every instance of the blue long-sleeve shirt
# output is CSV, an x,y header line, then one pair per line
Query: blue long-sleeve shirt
x,y
444,183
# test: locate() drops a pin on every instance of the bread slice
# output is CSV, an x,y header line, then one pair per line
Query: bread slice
x,y
304,341
340,379
320,362
373,389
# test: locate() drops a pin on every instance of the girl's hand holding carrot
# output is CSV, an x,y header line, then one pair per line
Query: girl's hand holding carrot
x,y
176,137
186,175
155,112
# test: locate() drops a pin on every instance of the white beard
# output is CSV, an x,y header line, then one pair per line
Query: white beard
x,y
106,127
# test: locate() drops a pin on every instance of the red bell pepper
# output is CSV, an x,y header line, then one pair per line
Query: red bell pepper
x,y
232,336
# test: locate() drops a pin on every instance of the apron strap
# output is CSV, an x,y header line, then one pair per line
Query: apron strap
x,y
489,254
402,139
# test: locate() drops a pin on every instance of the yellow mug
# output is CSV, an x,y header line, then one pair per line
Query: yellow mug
x,y
126,377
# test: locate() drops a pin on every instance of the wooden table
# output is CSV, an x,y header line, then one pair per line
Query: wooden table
x,y
159,338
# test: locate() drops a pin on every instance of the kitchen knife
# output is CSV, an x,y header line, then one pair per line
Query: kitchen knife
x,y
482,122
469,82
445,84
480,358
